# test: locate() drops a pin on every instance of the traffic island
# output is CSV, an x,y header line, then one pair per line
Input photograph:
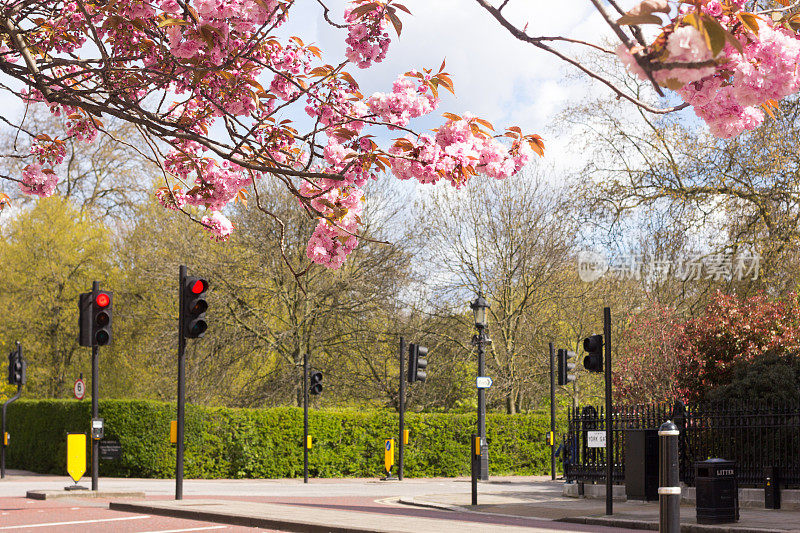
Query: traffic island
x,y
104,494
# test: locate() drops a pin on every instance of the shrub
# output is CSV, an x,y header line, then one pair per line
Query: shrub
x,y
266,443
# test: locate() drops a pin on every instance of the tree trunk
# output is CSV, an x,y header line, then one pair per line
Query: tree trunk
x,y
511,403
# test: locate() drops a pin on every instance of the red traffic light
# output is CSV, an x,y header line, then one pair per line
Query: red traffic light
x,y
199,286
102,300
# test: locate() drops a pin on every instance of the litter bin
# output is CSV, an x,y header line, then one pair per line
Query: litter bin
x,y
641,464
716,491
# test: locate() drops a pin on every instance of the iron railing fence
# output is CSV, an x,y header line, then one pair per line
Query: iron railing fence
x,y
755,435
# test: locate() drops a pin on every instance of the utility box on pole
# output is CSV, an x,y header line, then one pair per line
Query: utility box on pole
x,y
641,464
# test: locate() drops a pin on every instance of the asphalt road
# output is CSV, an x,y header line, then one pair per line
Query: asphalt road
x,y
74,516
372,501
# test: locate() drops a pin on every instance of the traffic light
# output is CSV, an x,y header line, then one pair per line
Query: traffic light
x,y
194,307
315,382
95,318
17,368
417,363
565,366
593,346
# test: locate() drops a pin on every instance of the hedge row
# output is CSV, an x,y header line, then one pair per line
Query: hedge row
x,y
266,443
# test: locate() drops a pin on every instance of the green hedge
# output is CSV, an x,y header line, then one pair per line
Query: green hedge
x,y
266,443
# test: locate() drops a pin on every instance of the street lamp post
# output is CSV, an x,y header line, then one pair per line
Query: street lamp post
x,y
480,340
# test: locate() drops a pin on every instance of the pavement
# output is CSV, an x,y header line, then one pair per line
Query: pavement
x,y
547,502
506,504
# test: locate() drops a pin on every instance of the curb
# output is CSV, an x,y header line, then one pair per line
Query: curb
x,y
235,520
653,526
432,505
82,494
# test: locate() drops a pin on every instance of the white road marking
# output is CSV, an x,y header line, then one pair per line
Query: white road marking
x,y
207,528
75,522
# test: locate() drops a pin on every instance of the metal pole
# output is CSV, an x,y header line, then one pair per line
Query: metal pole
x,y
552,412
95,401
484,459
3,434
609,432
305,416
475,467
402,410
181,388
669,490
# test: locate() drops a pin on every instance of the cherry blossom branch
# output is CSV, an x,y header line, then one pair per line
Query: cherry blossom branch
x,y
325,15
522,36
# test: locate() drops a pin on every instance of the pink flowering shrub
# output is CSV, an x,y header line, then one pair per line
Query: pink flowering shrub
x,y
662,356
730,65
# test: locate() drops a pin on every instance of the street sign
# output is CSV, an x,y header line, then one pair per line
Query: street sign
x,y
483,382
596,439
110,450
79,389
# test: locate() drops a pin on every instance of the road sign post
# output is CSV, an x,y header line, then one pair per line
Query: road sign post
x,y
402,411
609,432
79,389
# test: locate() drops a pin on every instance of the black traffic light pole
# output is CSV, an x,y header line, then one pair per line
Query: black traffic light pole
x,y
181,388
305,416
95,401
402,409
609,432
551,440
3,434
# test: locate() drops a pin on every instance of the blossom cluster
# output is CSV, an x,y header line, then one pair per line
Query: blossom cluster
x,y
756,66
406,101
37,180
457,150
367,38
48,151
336,233
221,228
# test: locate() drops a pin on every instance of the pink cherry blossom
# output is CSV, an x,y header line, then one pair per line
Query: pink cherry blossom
x,y
219,226
38,181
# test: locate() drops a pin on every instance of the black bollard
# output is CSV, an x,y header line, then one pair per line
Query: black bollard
x,y
669,490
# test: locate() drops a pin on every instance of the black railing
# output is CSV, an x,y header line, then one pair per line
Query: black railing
x,y
756,436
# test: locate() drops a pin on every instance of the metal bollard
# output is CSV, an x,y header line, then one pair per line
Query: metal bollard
x,y
669,490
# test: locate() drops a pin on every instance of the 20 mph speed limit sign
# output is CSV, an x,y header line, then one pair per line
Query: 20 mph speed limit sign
x,y
79,389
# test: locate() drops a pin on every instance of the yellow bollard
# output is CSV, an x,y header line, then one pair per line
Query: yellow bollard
x,y
388,457
76,456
